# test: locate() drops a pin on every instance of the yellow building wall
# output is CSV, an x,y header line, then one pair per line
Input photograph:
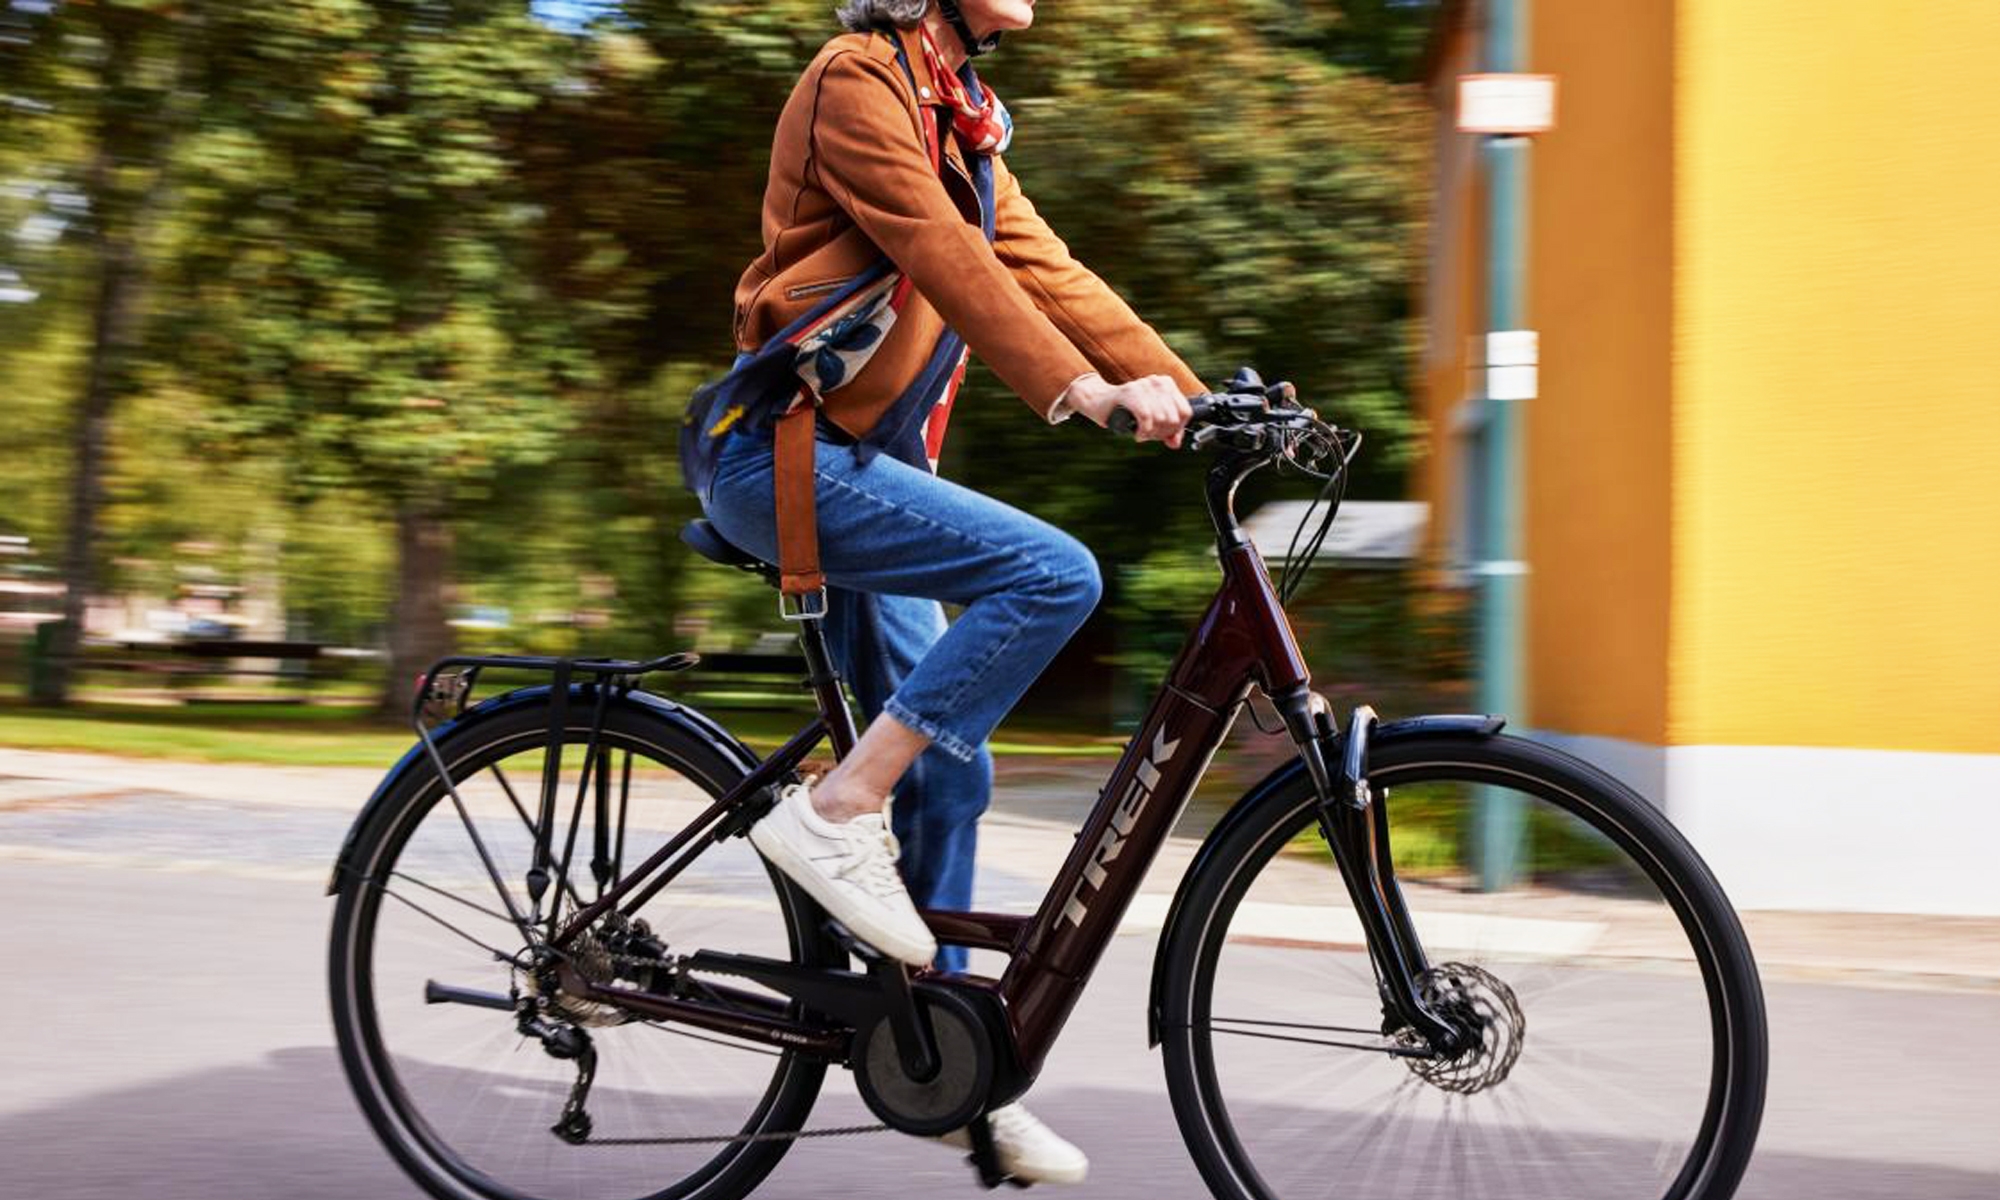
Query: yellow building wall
x,y
1836,448
1598,438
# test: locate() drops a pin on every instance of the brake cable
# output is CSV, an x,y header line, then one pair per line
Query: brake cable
x,y
1347,443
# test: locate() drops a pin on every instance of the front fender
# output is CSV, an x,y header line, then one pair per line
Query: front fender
x,y
1280,781
469,722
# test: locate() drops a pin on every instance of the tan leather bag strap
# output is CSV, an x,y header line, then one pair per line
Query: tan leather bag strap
x,y
798,521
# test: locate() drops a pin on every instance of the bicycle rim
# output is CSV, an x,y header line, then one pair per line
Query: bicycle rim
x,y
463,1099
1622,1050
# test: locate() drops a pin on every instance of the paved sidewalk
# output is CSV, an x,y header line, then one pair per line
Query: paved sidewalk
x,y
63,807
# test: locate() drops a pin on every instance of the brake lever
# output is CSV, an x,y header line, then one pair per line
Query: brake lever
x,y
1246,437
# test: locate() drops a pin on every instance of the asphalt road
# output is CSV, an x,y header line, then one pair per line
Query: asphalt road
x,y
169,1038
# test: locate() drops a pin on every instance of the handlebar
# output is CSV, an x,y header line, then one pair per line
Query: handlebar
x,y
1247,403
1252,418
1124,424
1256,425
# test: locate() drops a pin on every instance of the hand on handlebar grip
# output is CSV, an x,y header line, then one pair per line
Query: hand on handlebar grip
x,y
1150,408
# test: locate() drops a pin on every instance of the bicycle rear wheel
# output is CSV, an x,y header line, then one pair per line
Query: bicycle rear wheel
x,y
457,1093
1623,1051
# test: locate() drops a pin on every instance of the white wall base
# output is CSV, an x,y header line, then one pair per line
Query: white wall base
x,y
1827,829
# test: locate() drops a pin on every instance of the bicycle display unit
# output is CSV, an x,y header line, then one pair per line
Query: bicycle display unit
x,y
593,987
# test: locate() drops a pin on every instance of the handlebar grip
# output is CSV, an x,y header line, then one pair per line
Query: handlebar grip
x,y
1124,424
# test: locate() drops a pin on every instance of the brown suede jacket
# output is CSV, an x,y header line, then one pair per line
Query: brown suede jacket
x,y
850,181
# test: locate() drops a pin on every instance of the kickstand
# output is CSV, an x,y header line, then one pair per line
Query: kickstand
x,y
985,1158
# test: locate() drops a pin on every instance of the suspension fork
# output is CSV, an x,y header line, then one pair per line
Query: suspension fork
x,y
1356,826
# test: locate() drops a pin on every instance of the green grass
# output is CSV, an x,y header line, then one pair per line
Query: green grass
x,y
329,736
293,735
1428,826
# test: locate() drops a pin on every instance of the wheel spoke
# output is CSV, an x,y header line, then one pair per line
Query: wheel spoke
x,y
498,954
452,896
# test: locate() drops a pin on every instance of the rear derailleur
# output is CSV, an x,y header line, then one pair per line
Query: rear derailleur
x,y
571,1043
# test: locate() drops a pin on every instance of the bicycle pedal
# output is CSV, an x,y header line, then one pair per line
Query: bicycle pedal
x,y
985,1156
1004,1180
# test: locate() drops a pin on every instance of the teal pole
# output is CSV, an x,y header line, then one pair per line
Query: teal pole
x,y
1498,815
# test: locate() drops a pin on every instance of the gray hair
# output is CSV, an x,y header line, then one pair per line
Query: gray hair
x,y
863,15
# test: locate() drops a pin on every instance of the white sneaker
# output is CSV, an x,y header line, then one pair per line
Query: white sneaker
x,y
850,868
1028,1150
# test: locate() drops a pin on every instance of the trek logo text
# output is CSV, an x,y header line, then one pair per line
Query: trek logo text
x,y
1122,820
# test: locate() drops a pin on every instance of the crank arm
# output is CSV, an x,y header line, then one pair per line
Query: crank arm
x,y
914,1043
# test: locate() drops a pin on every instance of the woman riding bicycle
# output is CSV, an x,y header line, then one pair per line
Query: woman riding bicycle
x,y
895,240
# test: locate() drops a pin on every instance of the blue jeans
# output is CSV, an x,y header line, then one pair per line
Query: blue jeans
x,y
895,540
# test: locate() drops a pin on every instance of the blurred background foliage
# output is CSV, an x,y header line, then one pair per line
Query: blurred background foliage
x,y
392,307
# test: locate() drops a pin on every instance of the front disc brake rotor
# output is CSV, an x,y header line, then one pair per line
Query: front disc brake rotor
x,y
1480,1001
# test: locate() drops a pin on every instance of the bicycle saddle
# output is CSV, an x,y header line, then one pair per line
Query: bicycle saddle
x,y
702,538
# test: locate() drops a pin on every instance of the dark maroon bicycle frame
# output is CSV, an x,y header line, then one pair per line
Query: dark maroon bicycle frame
x,y
1244,638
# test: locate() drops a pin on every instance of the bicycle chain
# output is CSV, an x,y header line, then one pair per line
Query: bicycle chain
x,y
793,1136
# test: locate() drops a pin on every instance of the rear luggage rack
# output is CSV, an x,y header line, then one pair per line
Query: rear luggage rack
x,y
443,689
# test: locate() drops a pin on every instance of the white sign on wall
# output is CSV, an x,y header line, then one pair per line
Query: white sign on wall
x,y
1513,358
1506,103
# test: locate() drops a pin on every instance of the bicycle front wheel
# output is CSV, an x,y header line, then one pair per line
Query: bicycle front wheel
x,y
1622,1037
428,972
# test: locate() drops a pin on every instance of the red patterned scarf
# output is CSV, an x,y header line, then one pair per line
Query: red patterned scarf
x,y
983,125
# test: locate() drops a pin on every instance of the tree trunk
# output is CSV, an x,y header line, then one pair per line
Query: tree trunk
x,y
135,131
111,336
113,332
419,632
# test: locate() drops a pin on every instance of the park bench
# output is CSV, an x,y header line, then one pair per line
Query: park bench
x,y
178,661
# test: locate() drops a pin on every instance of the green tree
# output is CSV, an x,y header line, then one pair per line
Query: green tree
x,y
1253,202
352,279
1384,38
107,81
649,166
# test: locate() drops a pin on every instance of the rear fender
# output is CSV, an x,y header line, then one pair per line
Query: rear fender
x,y
1283,781
468,724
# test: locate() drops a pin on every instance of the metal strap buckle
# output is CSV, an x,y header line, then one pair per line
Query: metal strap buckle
x,y
811,606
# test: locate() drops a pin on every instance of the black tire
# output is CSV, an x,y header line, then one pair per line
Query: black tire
x,y
1268,1119
392,1074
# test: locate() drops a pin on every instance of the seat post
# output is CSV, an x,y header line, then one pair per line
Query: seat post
x,y
824,681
